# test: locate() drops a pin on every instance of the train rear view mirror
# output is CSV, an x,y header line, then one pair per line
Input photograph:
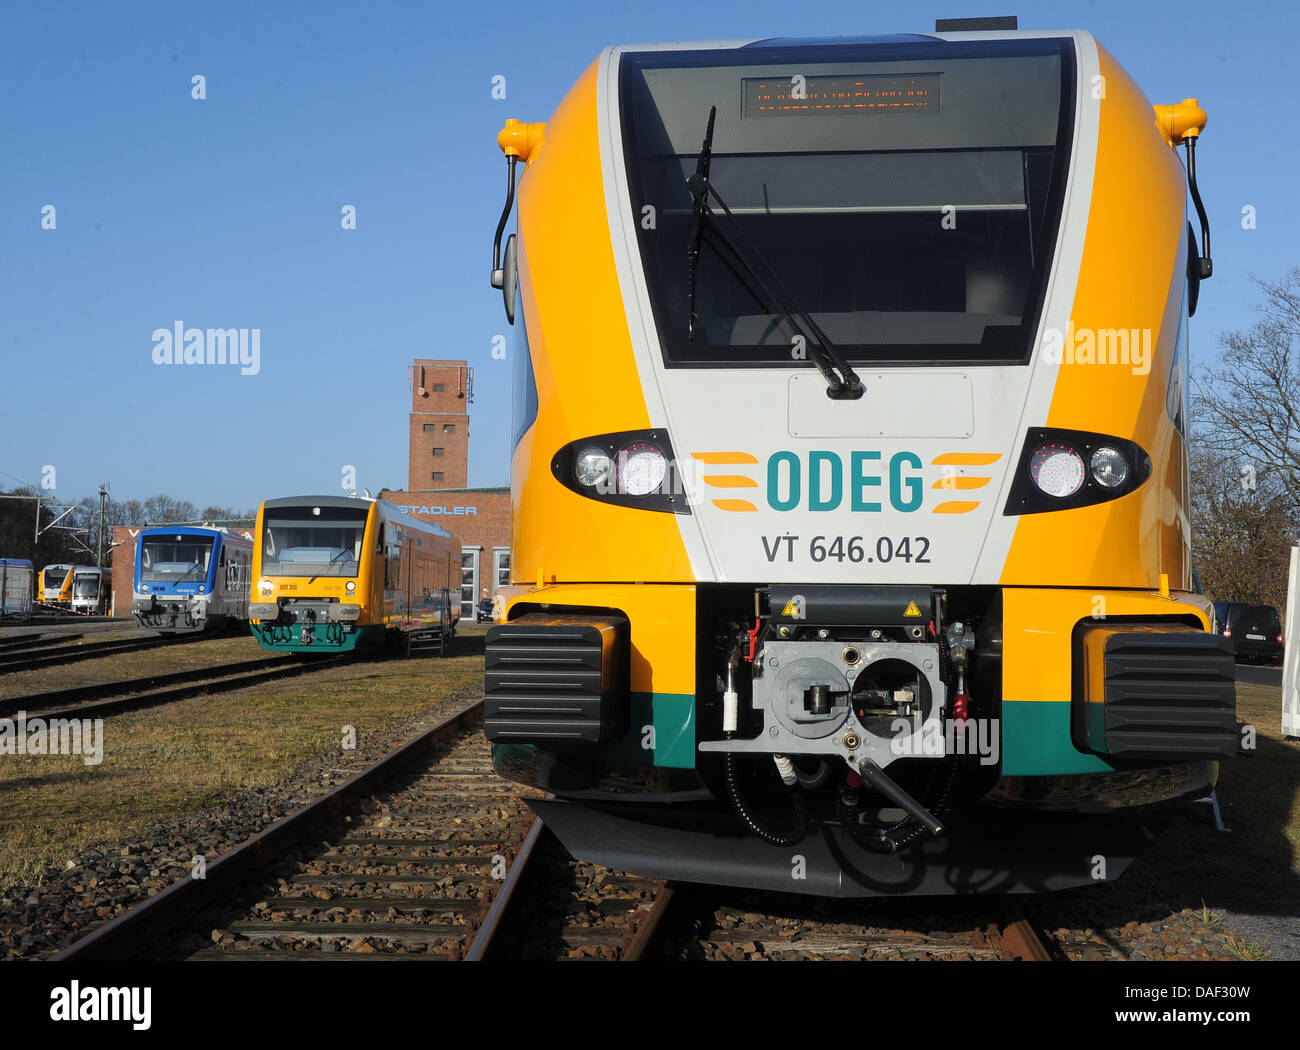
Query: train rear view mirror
x,y
510,277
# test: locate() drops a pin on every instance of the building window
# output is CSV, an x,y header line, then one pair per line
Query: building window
x,y
438,451
468,582
501,566
449,428
437,475
438,388
429,426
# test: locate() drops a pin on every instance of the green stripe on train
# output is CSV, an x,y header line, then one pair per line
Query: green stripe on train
x,y
1036,741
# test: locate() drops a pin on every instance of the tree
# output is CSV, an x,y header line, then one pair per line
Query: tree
x,y
161,509
1247,406
1242,532
1245,454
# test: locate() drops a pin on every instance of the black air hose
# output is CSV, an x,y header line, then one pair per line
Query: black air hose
x,y
766,834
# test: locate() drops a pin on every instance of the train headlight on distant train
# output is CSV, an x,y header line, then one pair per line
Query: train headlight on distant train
x,y
1109,467
202,588
266,586
592,466
1057,469
641,468
350,586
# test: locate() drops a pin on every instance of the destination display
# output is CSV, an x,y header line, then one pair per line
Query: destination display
x,y
848,93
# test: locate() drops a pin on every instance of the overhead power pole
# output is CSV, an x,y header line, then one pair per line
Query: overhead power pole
x,y
103,495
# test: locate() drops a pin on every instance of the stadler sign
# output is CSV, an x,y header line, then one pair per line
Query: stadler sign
x,y
440,510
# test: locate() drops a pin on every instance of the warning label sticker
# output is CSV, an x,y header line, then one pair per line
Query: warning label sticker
x,y
911,610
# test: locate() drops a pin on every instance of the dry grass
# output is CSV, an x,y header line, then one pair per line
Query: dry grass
x,y
1264,786
175,760
161,659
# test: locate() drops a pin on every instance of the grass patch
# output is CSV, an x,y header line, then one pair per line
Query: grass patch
x,y
172,761
160,659
1263,786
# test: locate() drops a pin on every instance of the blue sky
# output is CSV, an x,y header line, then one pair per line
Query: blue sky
x,y
226,212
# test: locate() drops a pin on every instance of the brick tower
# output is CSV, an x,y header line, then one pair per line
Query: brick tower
x,y
439,448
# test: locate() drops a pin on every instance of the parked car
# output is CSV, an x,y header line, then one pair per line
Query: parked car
x,y
1255,630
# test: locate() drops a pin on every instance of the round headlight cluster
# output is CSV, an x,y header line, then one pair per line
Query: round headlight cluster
x,y
1109,467
592,467
350,586
266,587
1058,469
636,470
641,468
202,588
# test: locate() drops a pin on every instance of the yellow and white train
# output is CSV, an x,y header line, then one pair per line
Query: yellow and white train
x,y
332,573
850,480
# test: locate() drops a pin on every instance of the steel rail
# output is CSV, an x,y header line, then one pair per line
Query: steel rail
x,y
155,916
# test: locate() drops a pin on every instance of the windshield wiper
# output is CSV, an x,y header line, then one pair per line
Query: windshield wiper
x,y
698,184
842,381
336,557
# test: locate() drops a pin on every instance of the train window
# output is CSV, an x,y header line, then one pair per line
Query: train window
x,y
523,408
918,232
174,559
1176,390
299,542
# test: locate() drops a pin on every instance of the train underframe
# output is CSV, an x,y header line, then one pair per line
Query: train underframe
x,y
326,625
183,614
858,740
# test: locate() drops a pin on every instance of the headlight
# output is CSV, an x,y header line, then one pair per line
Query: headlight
x,y
641,469
592,466
144,588
1109,467
202,588
1057,469
350,586
266,587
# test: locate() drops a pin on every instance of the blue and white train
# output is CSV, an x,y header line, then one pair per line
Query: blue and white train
x,y
190,579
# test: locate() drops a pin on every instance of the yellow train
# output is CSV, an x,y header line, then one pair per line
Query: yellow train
x,y
332,573
851,543
55,586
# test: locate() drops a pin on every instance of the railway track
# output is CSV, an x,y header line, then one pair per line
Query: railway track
x,y
573,910
15,661
428,854
133,694
15,642
402,859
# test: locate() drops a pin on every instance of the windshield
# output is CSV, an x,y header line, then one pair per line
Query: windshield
x,y
907,196
85,586
54,578
175,559
296,542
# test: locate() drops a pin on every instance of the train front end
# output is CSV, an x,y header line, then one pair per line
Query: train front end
x,y
175,578
55,587
851,549
315,585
